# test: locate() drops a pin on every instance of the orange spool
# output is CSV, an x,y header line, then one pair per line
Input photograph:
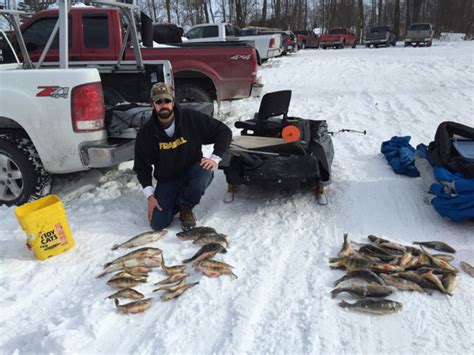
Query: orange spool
x,y
291,134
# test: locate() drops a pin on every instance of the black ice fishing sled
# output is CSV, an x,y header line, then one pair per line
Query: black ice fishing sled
x,y
275,149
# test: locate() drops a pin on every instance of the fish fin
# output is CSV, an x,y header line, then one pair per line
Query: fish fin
x,y
115,246
344,304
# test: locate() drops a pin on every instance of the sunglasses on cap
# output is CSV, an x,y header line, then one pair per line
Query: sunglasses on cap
x,y
162,101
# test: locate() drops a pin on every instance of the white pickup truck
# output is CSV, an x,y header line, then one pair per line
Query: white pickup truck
x,y
266,45
52,121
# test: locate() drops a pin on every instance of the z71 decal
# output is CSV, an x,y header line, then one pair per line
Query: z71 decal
x,y
55,92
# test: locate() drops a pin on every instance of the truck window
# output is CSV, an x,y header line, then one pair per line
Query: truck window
x,y
95,31
36,36
210,31
420,27
194,33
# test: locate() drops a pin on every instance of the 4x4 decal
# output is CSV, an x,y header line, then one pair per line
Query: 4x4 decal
x,y
55,92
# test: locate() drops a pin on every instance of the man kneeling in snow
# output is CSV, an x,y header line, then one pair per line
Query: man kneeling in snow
x,y
170,144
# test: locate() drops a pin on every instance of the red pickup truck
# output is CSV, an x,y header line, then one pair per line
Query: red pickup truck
x,y
338,38
202,72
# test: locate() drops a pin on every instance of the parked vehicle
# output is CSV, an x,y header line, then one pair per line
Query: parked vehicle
x,y
338,38
288,40
419,34
52,121
306,39
266,45
380,36
202,72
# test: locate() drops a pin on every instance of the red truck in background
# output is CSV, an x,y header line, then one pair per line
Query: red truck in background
x,y
306,39
202,72
338,38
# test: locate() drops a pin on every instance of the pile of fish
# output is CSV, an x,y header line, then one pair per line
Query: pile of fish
x,y
133,268
387,266
212,243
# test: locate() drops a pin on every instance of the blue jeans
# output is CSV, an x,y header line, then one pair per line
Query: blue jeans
x,y
186,189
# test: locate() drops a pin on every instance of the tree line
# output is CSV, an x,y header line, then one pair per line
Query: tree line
x,y
359,15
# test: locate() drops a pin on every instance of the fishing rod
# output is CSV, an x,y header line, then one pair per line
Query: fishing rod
x,y
364,132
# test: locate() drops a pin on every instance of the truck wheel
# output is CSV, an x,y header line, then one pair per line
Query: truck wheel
x,y
22,176
428,44
191,93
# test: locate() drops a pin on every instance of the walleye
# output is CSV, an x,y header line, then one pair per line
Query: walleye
x,y
351,263
420,281
134,307
124,282
403,285
372,290
436,281
377,240
441,246
148,262
212,238
175,294
346,249
170,270
375,306
444,257
387,267
366,275
127,293
142,239
196,233
136,254
130,276
208,251
467,268
173,278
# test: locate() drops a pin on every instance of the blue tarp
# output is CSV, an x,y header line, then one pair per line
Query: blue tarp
x,y
400,155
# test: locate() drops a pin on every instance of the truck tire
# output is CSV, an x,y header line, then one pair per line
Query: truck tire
x,y
22,176
428,44
191,93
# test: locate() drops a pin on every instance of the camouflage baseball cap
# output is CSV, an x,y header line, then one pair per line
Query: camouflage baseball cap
x,y
161,91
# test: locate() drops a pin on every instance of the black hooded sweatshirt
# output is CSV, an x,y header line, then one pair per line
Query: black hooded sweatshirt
x,y
171,156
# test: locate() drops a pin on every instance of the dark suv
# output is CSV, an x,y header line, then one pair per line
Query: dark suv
x,y
380,36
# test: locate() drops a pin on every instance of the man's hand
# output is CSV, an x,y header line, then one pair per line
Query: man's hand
x,y
152,204
208,164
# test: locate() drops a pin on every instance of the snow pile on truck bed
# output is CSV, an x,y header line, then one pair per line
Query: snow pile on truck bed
x,y
280,242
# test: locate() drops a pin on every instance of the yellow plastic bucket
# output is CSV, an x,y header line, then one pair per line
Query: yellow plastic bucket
x,y
45,224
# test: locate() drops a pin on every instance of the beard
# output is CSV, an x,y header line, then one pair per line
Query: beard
x,y
164,113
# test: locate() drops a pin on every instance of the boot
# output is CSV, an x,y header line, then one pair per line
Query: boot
x,y
187,218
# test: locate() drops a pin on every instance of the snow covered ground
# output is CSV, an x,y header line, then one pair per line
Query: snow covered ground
x,y
280,242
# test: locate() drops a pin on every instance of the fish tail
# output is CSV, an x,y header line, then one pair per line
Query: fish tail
x,y
335,292
116,301
101,275
188,260
115,246
334,260
233,275
106,265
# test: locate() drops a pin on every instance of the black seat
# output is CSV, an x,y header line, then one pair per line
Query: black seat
x,y
265,122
